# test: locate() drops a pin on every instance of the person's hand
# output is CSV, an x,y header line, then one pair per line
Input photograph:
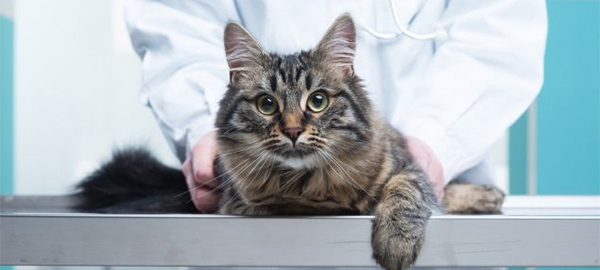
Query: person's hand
x,y
200,176
425,157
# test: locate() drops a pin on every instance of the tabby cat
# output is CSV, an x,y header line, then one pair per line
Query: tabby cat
x,y
297,135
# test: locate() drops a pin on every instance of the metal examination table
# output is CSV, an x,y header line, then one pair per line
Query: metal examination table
x,y
535,231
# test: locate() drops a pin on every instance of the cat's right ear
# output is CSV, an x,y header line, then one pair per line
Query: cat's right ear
x,y
244,54
338,46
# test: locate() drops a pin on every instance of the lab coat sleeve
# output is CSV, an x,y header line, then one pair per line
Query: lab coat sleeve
x,y
184,68
483,76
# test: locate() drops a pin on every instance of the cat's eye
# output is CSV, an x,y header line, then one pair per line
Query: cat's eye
x,y
317,102
267,105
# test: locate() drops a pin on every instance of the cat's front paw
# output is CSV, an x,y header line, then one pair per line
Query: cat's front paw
x,y
396,244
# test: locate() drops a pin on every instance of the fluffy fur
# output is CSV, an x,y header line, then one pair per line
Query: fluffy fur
x,y
133,181
297,160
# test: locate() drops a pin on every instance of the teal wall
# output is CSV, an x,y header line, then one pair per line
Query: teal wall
x,y
518,156
6,108
6,105
568,108
569,104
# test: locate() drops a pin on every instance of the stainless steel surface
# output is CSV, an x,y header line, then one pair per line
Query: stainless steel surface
x,y
54,237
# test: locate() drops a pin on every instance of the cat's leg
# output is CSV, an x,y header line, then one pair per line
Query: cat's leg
x,y
406,203
466,198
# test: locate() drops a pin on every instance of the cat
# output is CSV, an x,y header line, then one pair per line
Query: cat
x,y
297,135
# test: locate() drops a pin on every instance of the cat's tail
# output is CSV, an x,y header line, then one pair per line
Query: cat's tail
x,y
134,181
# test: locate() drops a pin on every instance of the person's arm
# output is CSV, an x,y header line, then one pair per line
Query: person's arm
x,y
183,64
184,76
483,76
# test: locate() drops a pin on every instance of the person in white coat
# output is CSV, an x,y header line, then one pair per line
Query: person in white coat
x,y
451,75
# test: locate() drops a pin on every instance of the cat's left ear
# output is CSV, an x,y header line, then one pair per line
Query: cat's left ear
x,y
338,45
244,54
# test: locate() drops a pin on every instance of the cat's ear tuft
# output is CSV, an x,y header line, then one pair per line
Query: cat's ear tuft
x,y
338,45
243,52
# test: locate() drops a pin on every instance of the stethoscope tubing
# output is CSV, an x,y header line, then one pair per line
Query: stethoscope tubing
x,y
402,30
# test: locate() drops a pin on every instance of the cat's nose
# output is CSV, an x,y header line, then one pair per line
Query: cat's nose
x,y
293,133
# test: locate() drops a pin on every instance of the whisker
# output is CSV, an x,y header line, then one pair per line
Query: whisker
x,y
350,180
252,146
235,175
210,181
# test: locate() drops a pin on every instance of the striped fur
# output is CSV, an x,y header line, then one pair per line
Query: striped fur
x,y
344,159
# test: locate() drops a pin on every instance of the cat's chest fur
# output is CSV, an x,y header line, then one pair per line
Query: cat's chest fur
x,y
337,188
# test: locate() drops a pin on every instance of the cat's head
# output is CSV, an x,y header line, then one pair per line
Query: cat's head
x,y
297,110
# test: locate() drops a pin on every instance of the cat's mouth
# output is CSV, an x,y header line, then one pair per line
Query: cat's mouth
x,y
298,157
296,152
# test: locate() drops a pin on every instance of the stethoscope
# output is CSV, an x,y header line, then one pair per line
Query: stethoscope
x,y
403,30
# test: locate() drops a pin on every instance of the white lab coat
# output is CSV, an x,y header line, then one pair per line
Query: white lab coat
x,y
458,93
